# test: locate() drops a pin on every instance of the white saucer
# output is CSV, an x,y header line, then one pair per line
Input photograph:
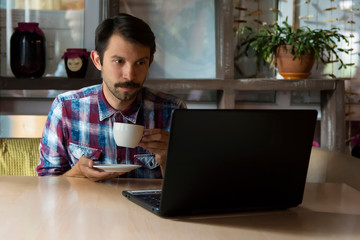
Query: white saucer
x,y
117,167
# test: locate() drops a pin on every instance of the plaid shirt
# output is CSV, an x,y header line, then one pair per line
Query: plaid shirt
x,y
80,124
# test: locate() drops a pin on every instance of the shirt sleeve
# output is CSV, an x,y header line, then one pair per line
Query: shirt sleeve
x,y
54,159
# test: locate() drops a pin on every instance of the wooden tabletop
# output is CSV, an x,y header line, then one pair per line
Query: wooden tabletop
x,y
75,208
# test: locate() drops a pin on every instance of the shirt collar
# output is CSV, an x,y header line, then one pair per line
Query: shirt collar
x,y
131,112
106,110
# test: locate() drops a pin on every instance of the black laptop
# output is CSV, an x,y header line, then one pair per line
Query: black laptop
x,y
222,161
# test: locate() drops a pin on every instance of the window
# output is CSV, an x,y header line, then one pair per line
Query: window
x,y
185,36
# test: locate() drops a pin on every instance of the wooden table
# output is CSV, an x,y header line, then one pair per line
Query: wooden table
x,y
74,208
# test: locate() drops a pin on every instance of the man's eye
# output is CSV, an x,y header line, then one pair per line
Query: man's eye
x,y
141,62
119,61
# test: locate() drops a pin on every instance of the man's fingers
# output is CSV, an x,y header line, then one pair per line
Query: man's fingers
x,y
153,131
89,170
151,135
151,145
103,175
97,175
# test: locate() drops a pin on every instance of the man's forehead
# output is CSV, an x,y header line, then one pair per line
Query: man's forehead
x,y
117,41
116,56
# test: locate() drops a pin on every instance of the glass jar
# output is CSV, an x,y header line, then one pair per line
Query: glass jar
x,y
76,62
27,50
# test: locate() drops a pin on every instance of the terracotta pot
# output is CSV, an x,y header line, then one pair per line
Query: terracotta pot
x,y
298,68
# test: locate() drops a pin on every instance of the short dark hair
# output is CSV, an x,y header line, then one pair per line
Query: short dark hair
x,y
131,28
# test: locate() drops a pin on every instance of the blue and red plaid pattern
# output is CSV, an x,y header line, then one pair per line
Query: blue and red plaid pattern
x,y
80,124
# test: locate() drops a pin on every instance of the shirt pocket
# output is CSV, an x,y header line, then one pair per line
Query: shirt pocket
x,y
77,151
147,159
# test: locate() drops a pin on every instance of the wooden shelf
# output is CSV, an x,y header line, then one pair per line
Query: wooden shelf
x,y
255,84
45,83
332,95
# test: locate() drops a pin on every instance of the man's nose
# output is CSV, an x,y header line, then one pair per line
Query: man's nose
x,y
129,72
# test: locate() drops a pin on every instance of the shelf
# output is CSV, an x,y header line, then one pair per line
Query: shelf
x,y
260,84
45,83
332,95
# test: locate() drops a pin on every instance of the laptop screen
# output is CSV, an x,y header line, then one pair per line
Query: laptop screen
x,y
228,160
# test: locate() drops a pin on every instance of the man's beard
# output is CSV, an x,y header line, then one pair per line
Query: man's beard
x,y
126,96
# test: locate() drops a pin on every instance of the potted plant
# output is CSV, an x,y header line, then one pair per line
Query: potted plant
x,y
301,46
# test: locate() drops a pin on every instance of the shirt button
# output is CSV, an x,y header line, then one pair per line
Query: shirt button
x,y
119,159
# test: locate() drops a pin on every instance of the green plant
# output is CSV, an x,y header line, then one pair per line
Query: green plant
x,y
265,40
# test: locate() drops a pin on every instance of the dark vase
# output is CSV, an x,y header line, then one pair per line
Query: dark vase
x,y
27,51
76,62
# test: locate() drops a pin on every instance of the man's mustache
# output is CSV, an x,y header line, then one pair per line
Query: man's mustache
x,y
128,84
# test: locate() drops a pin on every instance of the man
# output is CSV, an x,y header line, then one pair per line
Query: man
x,y
78,131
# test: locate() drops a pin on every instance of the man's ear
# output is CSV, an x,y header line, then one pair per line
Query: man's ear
x,y
95,57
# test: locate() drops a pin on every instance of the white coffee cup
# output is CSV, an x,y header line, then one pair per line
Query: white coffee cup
x,y
127,134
